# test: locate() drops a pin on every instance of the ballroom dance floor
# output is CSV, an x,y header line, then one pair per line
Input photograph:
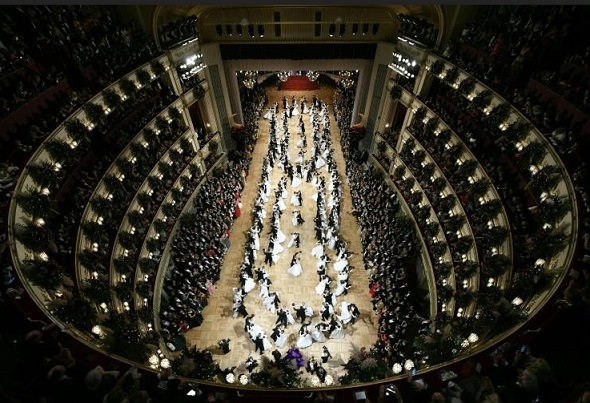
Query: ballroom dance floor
x,y
218,321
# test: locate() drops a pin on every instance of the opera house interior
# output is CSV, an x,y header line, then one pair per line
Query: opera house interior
x,y
172,175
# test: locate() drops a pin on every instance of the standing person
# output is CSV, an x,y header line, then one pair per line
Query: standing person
x,y
295,269
268,256
224,345
258,343
326,354
300,312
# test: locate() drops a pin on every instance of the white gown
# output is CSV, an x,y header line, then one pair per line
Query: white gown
x,y
318,335
305,108
319,289
340,289
345,316
332,242
269,303
340,264
291,241
268,114
263,289
249,284
295,110
280,236
255,330
281,340
337,333
256,239
295,270
318,250
281,205
304,340
342,276
290,318
277,248
295,199
266,343
296,182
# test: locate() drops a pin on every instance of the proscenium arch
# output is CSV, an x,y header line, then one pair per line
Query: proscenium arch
x,y
435,14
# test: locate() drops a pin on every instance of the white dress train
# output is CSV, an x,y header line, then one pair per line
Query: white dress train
x,y
296,182
295,270
304,340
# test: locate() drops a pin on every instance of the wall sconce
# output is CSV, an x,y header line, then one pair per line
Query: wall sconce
x,y
365,28
251,30
332,30
355,28
229,29
261,30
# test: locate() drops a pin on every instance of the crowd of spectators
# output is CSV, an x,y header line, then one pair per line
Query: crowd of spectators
x,y
512,373
45,366
198,250
417,28
177,31
202,240
42,47
507,46
544,37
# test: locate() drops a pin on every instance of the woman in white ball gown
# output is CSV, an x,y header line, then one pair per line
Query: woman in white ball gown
x,y
295,269
295,197
280,236
296,181
255,237
278,248
305,340
318,250
254,330
318,332
345,315
305,108
282,339
290,318
321,287
249,282
342,286
264,284
266,343
340,264
268,114
338,332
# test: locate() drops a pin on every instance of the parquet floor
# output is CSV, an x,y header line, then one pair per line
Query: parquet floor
x,y
218,322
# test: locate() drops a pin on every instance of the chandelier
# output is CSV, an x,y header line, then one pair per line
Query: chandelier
x,y
312,75
284,75
250,78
